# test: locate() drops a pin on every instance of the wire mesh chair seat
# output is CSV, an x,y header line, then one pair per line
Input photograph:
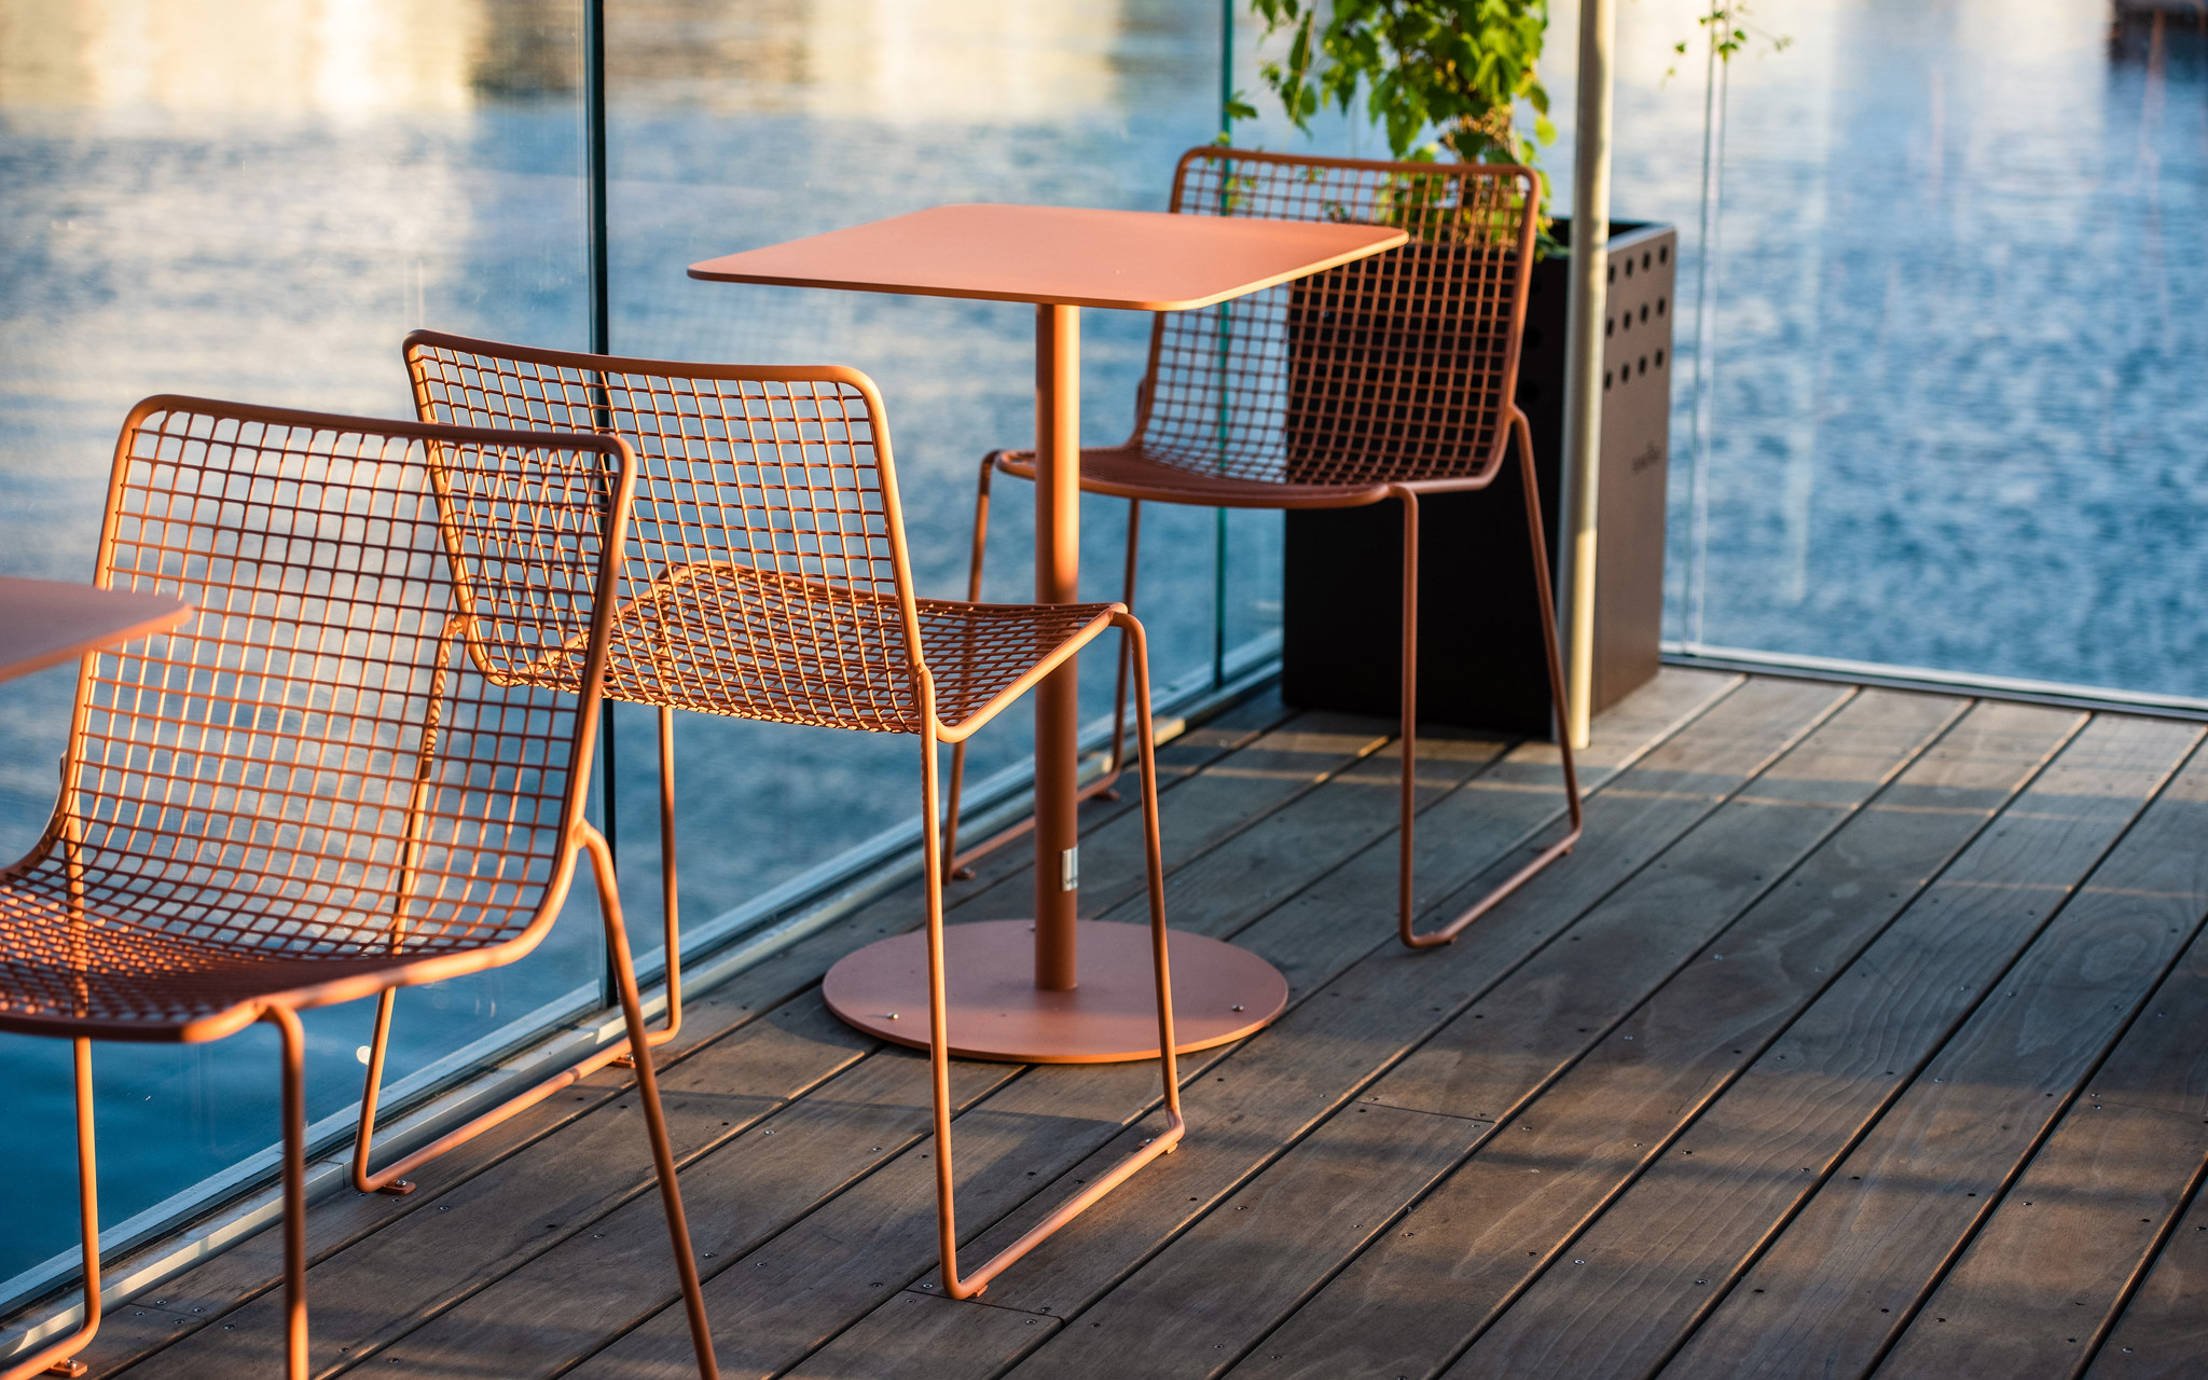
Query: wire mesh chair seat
x,y
1386,379
336,776
720,638
130,981
140,946
767,577
1136,473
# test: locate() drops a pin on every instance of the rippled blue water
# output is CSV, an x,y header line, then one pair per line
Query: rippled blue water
x,y
1952,406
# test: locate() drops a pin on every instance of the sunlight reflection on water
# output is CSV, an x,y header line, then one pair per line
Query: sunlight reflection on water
x,y
1956,413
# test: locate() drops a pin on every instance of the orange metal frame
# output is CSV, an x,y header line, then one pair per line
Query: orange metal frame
x,y
1380,381
767,577
53,622
299,798
1104,787
1059,991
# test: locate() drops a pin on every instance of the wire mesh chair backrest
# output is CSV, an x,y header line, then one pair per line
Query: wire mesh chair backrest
x,y
310,766
1397,368
766,513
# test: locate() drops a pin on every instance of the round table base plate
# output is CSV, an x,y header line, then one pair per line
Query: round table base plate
x,y
1220,993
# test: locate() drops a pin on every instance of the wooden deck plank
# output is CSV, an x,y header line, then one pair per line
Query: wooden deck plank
x,y
1309,748
910,1339
1371,1003
957,1339
1847,756
1413,1300
1250,874
563,1303
1278,1086
2087,1215
780,1302
210,1290
779,1325
735,1080
1322,1200
1637,1278
1207,812
2162,1334
207,1293
1691,1117
537,1199
1271,1089
1486,1060
2045,1276
1026,1135
1856,1261
1519,795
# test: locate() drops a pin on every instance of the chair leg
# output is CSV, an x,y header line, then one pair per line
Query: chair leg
x,y
967,1286
1546,602
973,596
939,1029
1153,846
1407,736
392,1178
655,1116
59,1357
294,1040
1105,786
670,900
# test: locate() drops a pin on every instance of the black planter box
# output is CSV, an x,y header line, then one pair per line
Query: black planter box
x,y
1480,659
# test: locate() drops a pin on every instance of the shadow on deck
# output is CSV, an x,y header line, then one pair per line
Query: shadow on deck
x,y
1864,1031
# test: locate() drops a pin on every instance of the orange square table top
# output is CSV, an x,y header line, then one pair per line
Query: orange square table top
x,y
47,622
1059,256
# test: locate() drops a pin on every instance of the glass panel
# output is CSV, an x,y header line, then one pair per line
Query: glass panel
x,y
739,126
1932,402
250,200
1954,409
1658,139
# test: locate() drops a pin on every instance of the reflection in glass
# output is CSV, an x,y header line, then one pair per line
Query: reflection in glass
x,y
738,126
252,200
259,199
1955,419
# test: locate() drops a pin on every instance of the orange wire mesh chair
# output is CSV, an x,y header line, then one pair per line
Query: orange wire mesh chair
x,y
767,578
307,793
1384,380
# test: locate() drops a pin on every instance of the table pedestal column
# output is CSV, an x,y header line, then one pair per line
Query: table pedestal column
x,y
1056,989
1058,699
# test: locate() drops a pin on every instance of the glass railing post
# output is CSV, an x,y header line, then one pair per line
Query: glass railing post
x,y
599,253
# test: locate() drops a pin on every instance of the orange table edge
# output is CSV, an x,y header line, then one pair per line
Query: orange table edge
x,y
44,623
1061,256
1085,995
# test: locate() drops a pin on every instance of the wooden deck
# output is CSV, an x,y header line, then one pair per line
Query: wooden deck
x,y
1866,1031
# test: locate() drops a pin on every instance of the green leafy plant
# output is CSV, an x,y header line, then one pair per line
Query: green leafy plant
x,y
1439,77
1730,32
